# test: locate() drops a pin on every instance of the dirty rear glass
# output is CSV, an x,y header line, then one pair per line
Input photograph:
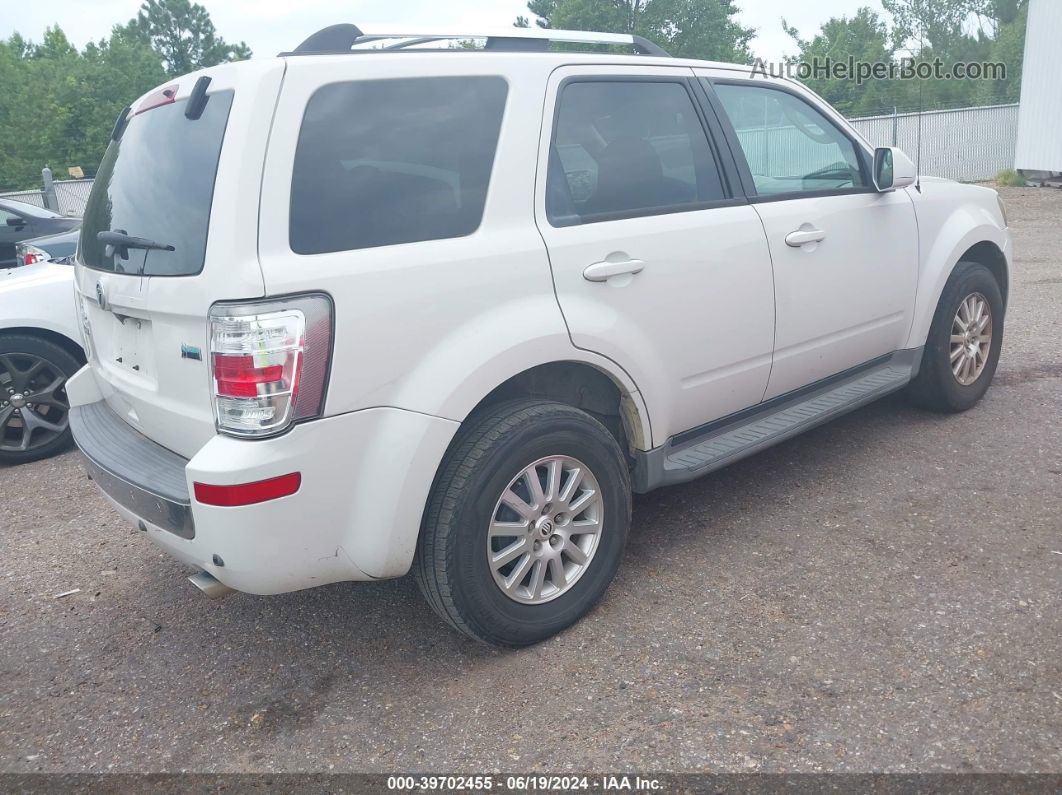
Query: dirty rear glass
x,y
157,182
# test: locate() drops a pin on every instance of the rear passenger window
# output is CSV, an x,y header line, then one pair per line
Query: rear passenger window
x,y
624,149
381,162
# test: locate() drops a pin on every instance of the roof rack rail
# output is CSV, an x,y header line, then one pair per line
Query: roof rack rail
x,y
344,37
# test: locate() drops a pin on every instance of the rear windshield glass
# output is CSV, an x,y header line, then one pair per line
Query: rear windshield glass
x,y
157,182
381,162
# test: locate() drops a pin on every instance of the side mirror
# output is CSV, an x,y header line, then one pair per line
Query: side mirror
x,y
892,169
16,221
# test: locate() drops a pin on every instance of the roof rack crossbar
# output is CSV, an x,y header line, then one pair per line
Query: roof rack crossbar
x,y
340,38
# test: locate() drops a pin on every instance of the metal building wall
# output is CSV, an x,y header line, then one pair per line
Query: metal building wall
x,y
1040,129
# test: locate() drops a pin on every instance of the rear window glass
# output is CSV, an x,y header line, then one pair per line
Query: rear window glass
x,y
381,162
157,182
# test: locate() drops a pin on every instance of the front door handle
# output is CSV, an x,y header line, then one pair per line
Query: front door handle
x,y
603,271
802,237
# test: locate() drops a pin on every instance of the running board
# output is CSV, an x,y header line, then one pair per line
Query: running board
x,y
694,453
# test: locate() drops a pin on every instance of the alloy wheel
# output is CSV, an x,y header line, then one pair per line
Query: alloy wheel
x,y
545,529
971,339
33,403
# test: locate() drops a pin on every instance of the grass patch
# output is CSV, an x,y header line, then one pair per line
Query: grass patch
x,y
1009,178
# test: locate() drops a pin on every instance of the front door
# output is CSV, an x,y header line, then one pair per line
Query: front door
x,y
845,256
656,264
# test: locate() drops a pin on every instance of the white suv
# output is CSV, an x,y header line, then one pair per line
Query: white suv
x,y
369,307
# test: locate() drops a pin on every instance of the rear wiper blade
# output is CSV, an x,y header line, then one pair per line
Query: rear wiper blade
x,y
120,242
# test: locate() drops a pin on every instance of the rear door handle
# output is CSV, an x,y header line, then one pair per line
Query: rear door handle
x,y
804,236
603,271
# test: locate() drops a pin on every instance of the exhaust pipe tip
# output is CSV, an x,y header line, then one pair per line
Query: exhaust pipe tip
x,y
211,586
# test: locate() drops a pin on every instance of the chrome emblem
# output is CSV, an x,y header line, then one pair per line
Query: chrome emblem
x,y
101,297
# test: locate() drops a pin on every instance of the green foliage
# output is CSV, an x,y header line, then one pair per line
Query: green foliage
x,y
1007,45
864,37
58,105
181,32
686,28
1009,178
923,29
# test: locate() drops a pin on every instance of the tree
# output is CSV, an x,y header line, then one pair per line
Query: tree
x,y
952,31
183,35
864,37
937,24
58,105
687,28
1008,21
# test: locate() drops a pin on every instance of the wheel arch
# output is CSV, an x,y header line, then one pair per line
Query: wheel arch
x,y
960,240
581,385
57,338
992,257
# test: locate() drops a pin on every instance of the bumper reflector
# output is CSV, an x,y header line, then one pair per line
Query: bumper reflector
x,y
248,493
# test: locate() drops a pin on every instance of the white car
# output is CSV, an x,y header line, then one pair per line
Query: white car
x,y
362,309
40,348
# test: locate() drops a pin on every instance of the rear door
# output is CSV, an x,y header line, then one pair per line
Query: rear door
x,y
658,263
191,182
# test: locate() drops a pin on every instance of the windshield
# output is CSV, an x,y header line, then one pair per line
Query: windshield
x,y
157,182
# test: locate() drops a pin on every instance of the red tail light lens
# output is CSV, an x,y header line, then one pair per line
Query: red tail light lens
x,y
248,493
25,254
239,376
270,362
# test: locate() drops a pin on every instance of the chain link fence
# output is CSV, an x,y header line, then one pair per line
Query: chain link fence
x,y
968,144
72,195
68,196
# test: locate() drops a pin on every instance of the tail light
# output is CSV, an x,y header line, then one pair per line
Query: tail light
x,y
30,255
270,363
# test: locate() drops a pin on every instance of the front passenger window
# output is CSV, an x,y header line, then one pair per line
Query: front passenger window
x,y
627,149
790,146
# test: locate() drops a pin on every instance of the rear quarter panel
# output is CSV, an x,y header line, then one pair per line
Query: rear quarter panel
x,y
39,296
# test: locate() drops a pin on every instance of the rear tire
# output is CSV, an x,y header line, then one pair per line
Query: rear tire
x,y
469,525
33,374
971,289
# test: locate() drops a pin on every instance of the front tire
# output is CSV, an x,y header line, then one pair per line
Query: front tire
x,y
964,343
526,524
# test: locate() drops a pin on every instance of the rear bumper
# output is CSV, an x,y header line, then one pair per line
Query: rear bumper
x,y
142,477
366,477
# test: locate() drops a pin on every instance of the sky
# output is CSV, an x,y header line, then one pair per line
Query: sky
x,y
272,26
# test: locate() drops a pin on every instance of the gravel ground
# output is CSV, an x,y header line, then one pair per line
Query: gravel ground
x,y
881,594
